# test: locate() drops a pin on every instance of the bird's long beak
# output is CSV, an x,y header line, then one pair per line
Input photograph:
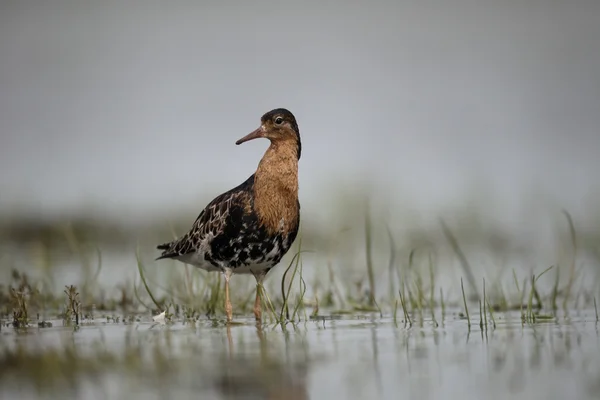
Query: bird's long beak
x,y
257,133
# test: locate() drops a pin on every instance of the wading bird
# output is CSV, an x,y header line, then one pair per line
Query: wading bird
x,y
248,229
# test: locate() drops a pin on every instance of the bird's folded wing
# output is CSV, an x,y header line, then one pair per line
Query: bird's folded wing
x,y
223,214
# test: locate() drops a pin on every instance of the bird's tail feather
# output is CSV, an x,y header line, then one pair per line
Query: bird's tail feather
x,y
164,246
167,251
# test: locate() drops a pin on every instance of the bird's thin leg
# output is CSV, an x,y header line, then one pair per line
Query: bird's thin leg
x,y
228,308
259,276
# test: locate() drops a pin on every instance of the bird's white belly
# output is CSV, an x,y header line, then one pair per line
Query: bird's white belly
x,y
197,260
252,268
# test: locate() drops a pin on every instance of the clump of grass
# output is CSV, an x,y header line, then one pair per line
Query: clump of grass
x,y
417,300
489,308
462,288
190,314
73,306
461,256
502,304
22,296
286,296
573,234
81,250
531,316
369,244
443,304
481,314
555,290
404,310
214,300
25,299
285,312
143,278
20,305
267,300
300,302
333,292
484,306
315,311
520,296
419,284
432,291
391,264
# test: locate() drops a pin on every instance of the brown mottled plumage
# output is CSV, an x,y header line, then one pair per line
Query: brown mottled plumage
x,y
276,187
249,228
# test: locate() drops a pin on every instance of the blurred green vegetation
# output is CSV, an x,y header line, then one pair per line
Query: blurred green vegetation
x,y
354,260
359,253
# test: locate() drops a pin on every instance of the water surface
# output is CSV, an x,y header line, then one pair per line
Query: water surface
x,y
348,357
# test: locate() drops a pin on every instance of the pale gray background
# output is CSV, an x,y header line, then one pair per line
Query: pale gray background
x,y
130,109
125,108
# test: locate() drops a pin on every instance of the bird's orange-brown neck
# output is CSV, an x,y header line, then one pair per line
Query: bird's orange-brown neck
x,y
276,187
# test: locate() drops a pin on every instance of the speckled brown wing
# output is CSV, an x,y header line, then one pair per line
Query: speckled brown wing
x,y
223,214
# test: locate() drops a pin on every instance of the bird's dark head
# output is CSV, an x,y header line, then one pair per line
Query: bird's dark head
x,y
278,125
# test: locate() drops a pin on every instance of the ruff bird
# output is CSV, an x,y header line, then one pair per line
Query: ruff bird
x,y
248,229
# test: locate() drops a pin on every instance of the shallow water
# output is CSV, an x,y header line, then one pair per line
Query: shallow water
x,y
352,357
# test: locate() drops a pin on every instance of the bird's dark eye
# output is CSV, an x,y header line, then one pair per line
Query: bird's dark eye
x,y
279,120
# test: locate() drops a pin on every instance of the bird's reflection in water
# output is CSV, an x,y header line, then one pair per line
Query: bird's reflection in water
x,y
269,374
